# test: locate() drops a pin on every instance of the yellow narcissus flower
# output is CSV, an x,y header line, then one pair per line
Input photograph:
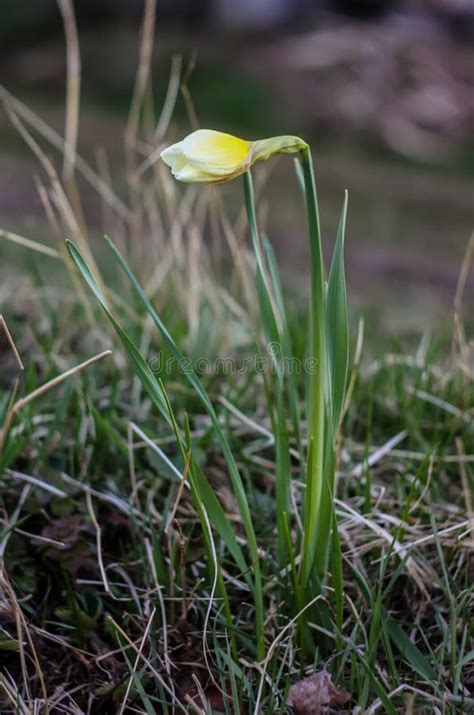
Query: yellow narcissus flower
x,y
210,156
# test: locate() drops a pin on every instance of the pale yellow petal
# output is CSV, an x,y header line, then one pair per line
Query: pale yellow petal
x,y
215,152
190,174
173,155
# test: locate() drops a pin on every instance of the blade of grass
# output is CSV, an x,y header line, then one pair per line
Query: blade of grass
x,y
202,492
234,474
408,650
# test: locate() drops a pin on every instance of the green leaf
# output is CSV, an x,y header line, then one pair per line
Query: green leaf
x,y
317,382
337,324
139,364
409,651
234,474
156,392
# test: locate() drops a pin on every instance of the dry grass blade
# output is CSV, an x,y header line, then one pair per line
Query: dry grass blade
x,y
63,204
22,626
271,650
11,343
415,569
28,243
73,88
7,344
379,453
98,531
187,94
460,346
378,704
19,476
355,368
57,141
112,499
463,275
165,117
149,665
21,403
13,695
159,592
466,487
171,97
215,564
182,484
137,661
438,402
143,73
150,443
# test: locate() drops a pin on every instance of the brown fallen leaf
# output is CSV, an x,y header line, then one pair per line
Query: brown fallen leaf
x,y
72,532
315,694
217,700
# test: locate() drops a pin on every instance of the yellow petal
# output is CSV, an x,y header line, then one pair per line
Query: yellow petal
x,y
173,155
189,173
215,152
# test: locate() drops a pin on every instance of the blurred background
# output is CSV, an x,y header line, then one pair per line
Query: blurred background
x,y
384,91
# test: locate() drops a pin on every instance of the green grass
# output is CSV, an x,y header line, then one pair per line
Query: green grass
x,y
407,598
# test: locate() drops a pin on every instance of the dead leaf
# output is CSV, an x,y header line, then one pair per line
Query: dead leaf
x,y
72,532
315,694
217,700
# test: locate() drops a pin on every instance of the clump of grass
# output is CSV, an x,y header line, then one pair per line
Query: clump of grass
x,y
136,511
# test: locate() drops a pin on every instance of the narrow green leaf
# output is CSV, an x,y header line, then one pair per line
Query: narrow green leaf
x,y
234,474
317,397
218,518
409,651
155,391
140,365
337,323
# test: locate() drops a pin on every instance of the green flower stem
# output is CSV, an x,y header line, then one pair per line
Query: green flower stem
x,y
270,322
317,385
253,227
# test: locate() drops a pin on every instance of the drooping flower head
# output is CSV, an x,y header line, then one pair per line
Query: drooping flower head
x,y
210,156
